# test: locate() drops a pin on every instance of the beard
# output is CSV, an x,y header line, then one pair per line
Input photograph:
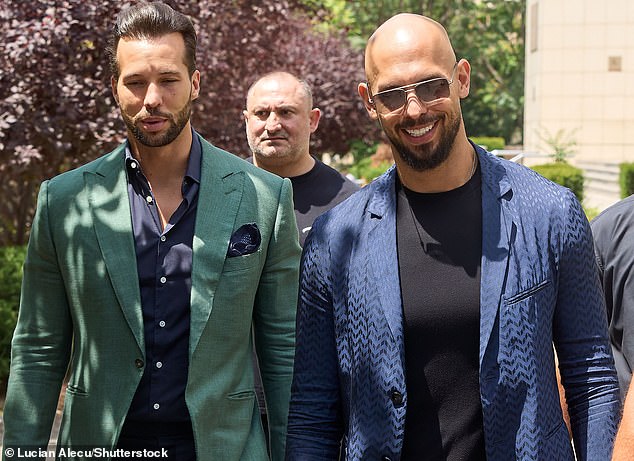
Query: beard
x,y
176,125
425,157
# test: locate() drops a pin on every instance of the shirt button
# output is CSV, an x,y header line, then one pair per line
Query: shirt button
x,y
156,406
163,238
163,279
149,199
397,398
133,165
159,364
162,323
138,363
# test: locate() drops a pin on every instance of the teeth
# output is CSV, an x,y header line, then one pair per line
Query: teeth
x,y
420,131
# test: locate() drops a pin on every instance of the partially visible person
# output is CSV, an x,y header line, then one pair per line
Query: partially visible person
x,y
279,119
150,273
613,232
430,300
624,445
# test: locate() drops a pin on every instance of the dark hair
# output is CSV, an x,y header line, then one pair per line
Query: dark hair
x,y
152,20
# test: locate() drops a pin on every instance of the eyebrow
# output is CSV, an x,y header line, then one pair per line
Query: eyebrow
x,y
164,73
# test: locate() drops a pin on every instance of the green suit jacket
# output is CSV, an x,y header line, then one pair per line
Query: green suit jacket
x,y
80,310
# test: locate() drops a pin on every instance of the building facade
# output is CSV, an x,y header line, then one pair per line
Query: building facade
x,y
579,87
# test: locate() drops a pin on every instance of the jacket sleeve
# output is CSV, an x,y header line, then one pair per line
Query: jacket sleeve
x,y
274,319
41,342
315,420
581,339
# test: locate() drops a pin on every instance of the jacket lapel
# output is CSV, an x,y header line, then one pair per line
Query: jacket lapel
x,y
498,234
110,208
219,196
381,225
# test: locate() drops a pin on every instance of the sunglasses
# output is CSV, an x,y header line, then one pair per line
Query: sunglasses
x,y
429,92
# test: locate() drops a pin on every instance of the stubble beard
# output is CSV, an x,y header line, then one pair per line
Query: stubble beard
x,y
157,140
425,157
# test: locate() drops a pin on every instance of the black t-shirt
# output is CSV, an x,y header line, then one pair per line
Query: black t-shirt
x,y
316,192
439,239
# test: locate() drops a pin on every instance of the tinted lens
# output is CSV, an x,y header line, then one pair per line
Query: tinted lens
x,y
432,90
392,99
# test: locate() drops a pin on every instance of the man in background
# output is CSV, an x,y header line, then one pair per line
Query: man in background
x,y
279,119
613,232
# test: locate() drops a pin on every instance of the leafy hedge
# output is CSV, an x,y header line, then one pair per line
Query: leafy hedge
x,y
11,260
626,179
364,169
489,142
564,174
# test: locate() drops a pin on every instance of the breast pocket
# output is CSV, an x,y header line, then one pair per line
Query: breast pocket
x,y
524,319
240,263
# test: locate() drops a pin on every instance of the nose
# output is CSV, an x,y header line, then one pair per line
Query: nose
x,y
414,106
272,122
152,96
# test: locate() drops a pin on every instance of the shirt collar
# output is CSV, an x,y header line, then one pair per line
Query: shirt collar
x,y
193,163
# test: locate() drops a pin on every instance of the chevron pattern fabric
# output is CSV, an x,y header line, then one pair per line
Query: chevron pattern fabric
x,y
539,292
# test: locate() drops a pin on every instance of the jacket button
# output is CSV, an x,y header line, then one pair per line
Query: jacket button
x,y
138,363
397,398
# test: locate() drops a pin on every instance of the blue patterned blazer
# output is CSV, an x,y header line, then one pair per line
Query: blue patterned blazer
x,y
539,287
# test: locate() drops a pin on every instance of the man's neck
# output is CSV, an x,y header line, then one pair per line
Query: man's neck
x,y
164,164
454,172
285,169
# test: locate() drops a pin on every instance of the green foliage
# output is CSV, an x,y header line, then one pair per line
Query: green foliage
x,y
626,179
591,212
564,174
489,142
561,144
56,107
361,149
11,261
365,171
490,35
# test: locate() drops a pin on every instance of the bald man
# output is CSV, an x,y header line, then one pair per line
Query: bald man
x,y
279,120
430,300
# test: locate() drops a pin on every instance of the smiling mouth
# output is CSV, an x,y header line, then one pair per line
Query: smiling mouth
x,y
418,132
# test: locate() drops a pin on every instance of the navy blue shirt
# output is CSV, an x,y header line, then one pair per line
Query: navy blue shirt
x,y
164,263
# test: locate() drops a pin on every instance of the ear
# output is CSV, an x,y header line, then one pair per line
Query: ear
x,y
463,78
364,92
245,115
315,116
113,88
195,84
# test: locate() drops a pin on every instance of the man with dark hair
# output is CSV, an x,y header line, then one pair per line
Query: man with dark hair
x,y
431,299
150,274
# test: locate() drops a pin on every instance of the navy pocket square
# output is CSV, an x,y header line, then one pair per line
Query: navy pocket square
x,y
244,241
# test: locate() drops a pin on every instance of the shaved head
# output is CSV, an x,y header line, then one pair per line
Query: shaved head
x,y
427,137
408,34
